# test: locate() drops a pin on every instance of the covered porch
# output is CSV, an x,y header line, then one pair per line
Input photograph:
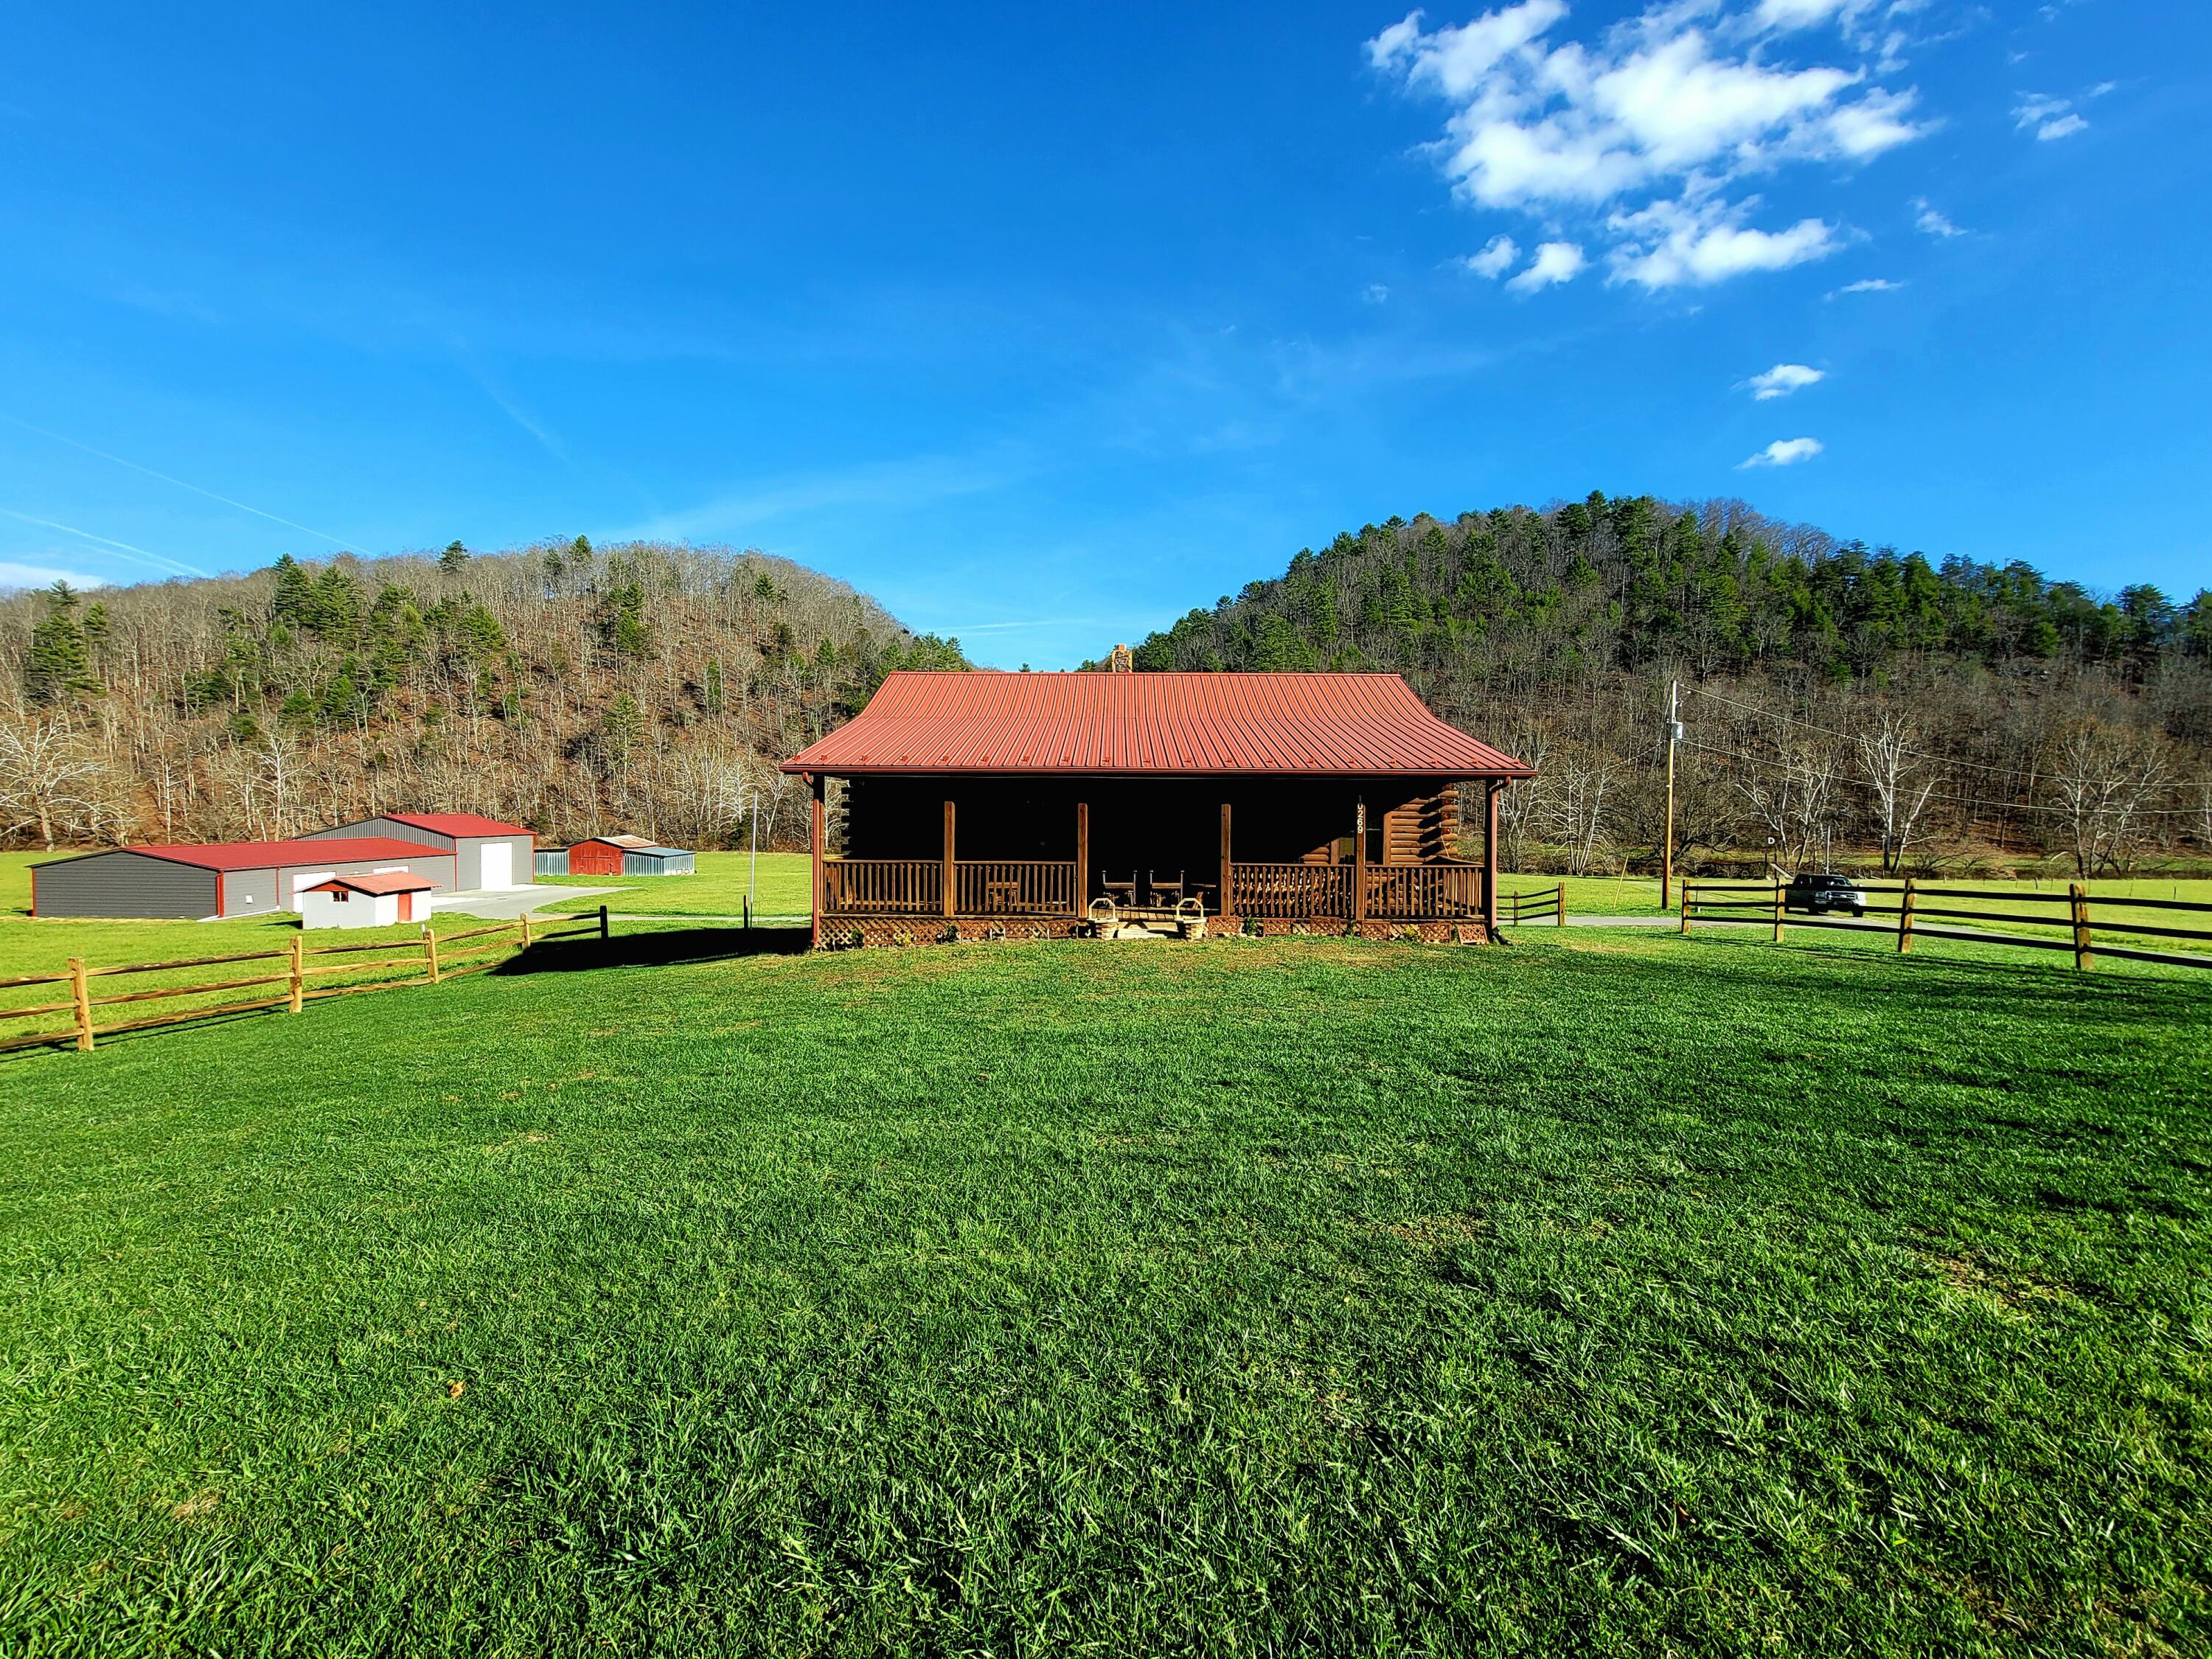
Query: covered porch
x,y
1032,857
978,804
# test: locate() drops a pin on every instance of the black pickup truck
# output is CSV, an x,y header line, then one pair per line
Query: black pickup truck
x,y
1817,895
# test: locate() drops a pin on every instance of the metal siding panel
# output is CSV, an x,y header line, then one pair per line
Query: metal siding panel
x,y
249,892
388,827
125,884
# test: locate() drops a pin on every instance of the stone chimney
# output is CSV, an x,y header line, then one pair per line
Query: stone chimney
x,y
1121,662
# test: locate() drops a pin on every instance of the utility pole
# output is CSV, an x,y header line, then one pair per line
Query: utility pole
x,y
1667,835
752,869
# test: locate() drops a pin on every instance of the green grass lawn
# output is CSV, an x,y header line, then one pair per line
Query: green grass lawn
x,y
717,890
1606,1293
1638,895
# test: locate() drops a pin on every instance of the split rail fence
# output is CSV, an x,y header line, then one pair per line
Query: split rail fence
x,y
1922,912
428,961
1545,904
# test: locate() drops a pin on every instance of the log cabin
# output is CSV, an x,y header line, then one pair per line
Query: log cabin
x,y
985,804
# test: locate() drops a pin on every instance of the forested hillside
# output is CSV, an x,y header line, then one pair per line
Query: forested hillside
x,y
1833,695
567,687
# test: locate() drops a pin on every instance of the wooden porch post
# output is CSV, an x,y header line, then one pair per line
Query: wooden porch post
x,y
1490,861
950,878
1359,861
1082,857
820,843
1225,867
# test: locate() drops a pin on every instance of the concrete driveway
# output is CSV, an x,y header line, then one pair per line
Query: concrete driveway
x,y
506,903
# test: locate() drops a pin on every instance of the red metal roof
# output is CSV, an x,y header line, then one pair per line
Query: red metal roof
x,y
385,882
1150,725
268,854
456,824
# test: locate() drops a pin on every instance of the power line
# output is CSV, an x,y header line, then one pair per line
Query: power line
x,y
1981,801
1848,736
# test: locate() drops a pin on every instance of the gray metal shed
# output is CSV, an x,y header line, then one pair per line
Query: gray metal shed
x,y
658,862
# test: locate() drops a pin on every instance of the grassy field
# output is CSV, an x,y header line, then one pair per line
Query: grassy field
x,y
45,946
1637,896
1614,1293
717,890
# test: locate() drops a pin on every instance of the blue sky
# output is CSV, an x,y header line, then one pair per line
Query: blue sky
x,y
1044,324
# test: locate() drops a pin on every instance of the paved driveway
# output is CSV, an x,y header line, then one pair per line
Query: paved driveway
x,y
505,903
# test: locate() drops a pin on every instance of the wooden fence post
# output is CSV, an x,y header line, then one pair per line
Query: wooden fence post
x,y
1685,910
1778,912
295,987
1905,921
2083,956
81,995
430,952
1563,904
602,923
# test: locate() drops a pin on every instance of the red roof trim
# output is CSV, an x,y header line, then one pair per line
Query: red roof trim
x,y
1151,726
385,882
457,824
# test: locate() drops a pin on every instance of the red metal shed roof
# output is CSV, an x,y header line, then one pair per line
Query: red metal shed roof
x,y
392,881
456,824
268,854
1150,724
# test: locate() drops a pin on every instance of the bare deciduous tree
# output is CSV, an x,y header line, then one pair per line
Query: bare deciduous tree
x,y
1902,780
54,782
2105,783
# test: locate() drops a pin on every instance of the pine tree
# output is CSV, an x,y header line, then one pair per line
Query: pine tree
x,y
293,600
58,661
453,558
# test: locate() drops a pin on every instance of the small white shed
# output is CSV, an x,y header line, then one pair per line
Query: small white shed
x,y
375,901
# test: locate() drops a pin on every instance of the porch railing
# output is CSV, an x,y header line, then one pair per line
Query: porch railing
x,y
1015,887
884,887
1425,892
1291,892
1045,887
915,887
1395,892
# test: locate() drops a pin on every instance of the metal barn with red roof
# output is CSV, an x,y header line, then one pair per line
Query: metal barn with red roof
x,y
1018,803
228,879
487,853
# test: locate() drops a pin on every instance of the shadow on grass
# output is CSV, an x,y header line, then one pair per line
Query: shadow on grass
x,y
663,947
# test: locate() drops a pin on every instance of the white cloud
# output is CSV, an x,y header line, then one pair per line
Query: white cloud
x,y
1642,129
1869,285
1555,262
1783,452
13,576
2047,117
1933,222
1673,244
1375,294
1782,380
1496,258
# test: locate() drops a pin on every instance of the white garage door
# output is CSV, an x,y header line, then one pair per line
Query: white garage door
x,y
495,863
